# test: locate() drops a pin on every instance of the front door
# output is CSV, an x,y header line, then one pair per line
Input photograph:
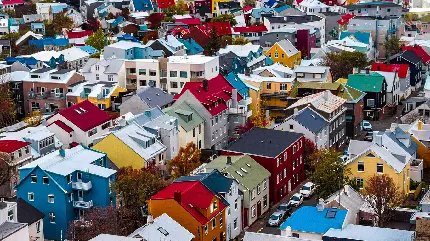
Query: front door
x,y
258,208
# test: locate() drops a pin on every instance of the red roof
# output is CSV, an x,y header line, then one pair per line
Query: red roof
x,y
214,100
12,145
181,31
193,195
222,28
419,51
344,19
62,125
250,29
13,2
79,34
189,21
247,8
165,3
85,115
73,144
401,69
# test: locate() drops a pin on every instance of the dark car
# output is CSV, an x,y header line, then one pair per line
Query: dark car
x,y
368,136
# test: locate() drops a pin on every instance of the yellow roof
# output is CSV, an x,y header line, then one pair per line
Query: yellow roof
x,y
342,80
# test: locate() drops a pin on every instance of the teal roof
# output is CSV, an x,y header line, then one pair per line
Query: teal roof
x,y
360,36
282,8
191,46
366,82
238,84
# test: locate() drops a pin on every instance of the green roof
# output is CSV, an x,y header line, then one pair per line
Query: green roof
x,y
350,94
181,112
255,173
343,91
371,82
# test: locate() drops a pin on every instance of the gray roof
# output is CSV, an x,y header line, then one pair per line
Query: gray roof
x,y
62,71
294,19
358,232
43,70
373,5
4,42
8,228
310,120
154,97
264,142
113,66
348,197
27,213
356,147
183,120
288,47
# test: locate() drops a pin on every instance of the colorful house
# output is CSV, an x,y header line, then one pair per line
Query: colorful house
x,y
195,207
420,134
64,184
201,33
285,53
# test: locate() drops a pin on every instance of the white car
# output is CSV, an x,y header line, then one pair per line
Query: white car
x,y
276,218
367,126
296,200
307,190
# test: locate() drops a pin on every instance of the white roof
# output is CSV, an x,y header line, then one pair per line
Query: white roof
x,y
110,237
74,53
163,228
349,41
260,79
45,77
126,45
76,158
355,147
348,197
240,50
288,47
311,69
311,62
368,233
16,76
275,69
250,236
185,16
324,101
419,10
313,4
28,34
191,59
389,78
45,56
139,15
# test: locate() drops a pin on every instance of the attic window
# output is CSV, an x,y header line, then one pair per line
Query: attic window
x,y
189,117
331,214
163,231
370,155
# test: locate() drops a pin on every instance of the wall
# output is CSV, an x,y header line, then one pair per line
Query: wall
x,y
309,236
287,60
134,105
231,197
21,235
423,152
34,232
187,137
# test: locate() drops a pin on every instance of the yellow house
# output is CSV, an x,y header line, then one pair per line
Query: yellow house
x,y
215,5
100,94
133,146
377,160
285,53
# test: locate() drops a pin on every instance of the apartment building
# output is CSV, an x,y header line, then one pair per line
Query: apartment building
x,y
375,9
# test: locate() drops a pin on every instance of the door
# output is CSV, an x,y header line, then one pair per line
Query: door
x,y
289,186
258,208
80,195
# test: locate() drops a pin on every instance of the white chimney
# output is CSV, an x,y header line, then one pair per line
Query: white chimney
x,y
320,205
393,127
150,219
287,232
326,93
345,190
296,111
377,138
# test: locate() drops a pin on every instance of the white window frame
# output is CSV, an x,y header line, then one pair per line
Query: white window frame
x,y
28,196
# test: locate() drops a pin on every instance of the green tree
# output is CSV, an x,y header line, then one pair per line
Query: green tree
x,y
225,18
249,3
59,22
176,9
329,172
240,41
342,63
34,119
226,40
186,161
392,47
409,17
213,44
7,104
97,40
425,18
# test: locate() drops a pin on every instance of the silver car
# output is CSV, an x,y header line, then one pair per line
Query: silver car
x,y
276,218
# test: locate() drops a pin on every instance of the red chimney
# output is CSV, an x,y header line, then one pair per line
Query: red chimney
x,y
177,196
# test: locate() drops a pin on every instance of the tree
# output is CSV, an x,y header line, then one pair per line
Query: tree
x,y
409,17
328,171
225,18
59,22
34,119
249,3
412,116
155,20
7,104
93,25
342,63
259,117
309,149
213,44
97,40
6,171
152,35
176,9
240,41
383,196
226,40
392,47
27,8
186,161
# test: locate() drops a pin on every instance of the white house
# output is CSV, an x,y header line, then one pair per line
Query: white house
x,y
80,123
393,87
313,6
106,70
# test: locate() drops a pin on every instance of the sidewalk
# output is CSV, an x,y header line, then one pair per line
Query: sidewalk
x,y
262,220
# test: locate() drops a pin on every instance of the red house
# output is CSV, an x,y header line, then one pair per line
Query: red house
x,y
280,152
165,3
201,33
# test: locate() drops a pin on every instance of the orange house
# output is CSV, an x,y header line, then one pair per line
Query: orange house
x,y
195,207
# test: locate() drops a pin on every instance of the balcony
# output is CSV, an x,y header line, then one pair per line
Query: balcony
x,y
40,95
56,96
83,204
85,186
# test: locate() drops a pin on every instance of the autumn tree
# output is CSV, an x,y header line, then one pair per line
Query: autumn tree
x,y
186,161
152,35
59,22
392,47
329,172
309,149
249,3
382,196
97,40
176,9
341,64
7,173
155,20
93,25
226,40
34,118
240,41
7,104
259,117
225,18
213,44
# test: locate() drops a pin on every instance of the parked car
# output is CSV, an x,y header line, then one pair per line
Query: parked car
x,y
286,207
367,126
368,136
276,218
296,200
307,190
420,94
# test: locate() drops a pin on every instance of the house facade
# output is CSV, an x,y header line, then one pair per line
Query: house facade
x,y
285,53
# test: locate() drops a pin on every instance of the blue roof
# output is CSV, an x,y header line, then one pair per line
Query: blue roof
x,y
13,22
89,49
256,12
360,36
309,220
238,84
49,41
282,8
37,25
103,14
117,21
310,120
58,8
128,37
400,134
23,60
269,61
143,27
147,116
142,5
191,46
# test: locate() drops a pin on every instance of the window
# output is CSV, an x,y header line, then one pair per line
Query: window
x,y
269,86
360,167
235,223
296,235
214,205
264,184
235,204
183,74
264,201
380,168
359,182
253,212
110,77
97,77
173,74
142,82
276,55
277,179
285,156
97,67
285,172
51,198
206,229
173,84
277,162
10,215
213,223
33,178
79,176
105,125
220,219
52,217
194,132
371,102
294,149
45,180
92,132
69,178
258,189
253,194
38,227
30,196
153,73
142,71
300,75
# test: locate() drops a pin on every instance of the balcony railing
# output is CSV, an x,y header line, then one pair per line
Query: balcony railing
x,y
56,96
85,186
83,204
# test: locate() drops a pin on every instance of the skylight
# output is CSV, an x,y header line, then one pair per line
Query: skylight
x,y
163,231
331,214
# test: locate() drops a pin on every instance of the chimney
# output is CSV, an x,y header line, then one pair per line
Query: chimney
x,y
150,219
320,205
62,153
377,138
234,98
206,85
177,196
325,95
286,232
355,70
296,111
420,125
345,190
229,160
393,127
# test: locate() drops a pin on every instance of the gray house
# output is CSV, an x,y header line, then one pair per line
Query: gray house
x,y
145,99
376,9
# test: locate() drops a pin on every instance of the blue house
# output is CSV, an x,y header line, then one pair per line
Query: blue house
x,y
131,50
238,84
141,5
38,28
64,184
191,46
53,42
